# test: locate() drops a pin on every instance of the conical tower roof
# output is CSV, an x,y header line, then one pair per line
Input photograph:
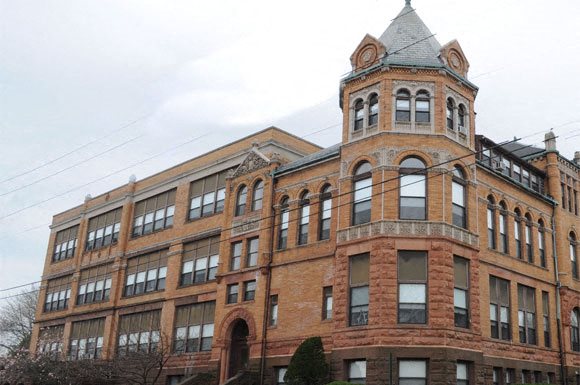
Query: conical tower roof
x,y
408,41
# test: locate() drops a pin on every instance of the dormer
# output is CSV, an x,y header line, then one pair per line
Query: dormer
x,y
453,57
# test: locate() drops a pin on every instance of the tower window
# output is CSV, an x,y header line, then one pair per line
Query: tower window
x,y
403,103
422,107
449,114
373,110
358,115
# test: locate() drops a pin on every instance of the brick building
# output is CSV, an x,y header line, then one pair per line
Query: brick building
x,y
420,251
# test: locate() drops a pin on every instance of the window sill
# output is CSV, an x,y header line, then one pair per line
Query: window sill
x,y
92,303
412,326
517,259
101,247
54,262
190,220
195,284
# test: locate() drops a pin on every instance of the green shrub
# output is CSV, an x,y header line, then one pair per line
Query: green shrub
x,y
308,365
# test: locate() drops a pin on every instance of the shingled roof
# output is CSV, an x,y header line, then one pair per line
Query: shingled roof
x,y
409,42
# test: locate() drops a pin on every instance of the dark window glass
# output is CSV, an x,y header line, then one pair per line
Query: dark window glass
x,y
200,261
139,332
573,256
575,330
249,290
207,196
403,106
304,219
325,213
413,189
499,308
273,310
546,315
194,327
146,273
284,219
94,285
458,198
235,262
103,230
153,214
359,289
86,339
232,293
358,115
241,200
362,194
412,287
58,294
327,303
258,195
422,107
527,314
252,252
449,114
461,292
491,224
65,244
373,110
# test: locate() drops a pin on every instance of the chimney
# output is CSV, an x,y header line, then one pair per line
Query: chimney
x,y
577,158
550,141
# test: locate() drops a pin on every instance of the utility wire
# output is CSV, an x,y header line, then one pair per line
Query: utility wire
x,y
75,150
350,192
70,167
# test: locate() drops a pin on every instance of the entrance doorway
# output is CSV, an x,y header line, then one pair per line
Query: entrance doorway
x,y
239,350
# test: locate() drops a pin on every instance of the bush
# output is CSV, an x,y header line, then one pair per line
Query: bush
x,y
308,365
340,383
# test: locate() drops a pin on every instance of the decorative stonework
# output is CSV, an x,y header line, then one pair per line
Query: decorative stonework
x,y
254,161
246,225
421,229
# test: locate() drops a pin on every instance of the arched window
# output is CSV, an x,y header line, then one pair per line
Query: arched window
x,y
573,255
518,233
458,198
241,200
412,189
403,105
449,114
503,226
284,218
257,195
373,109
575,330
529,244
461,117
541,243
304,218
361,207
325,213
422,107
491,222
359,114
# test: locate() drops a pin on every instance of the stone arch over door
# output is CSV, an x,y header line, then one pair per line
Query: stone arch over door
x,y
237,336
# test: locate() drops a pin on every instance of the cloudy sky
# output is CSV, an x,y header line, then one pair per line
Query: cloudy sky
x,y
94,91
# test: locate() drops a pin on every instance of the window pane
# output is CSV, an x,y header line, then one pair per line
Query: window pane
x,y
359,269
412,293
412,265
413,185
413,369
362,189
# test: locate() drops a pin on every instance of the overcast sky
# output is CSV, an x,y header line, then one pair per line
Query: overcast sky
x,y
122,81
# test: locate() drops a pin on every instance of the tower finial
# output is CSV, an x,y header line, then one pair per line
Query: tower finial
x,y
408,3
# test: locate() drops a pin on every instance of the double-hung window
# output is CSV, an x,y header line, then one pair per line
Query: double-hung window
x,y
241,199
146,273
86,339
529,247
232,293
194,327
304,218
518,234
575,329
327,303
139,332
200,261
359,290
373,109
527,314
573,255
249,290
50,340
499,308
283,229
207,196
359,114
490,223
461,292
458,198
325,213
503,225
462,373
403,106
273,310
257,195
357,372
154,214
412,268
362,194
236,256
412,372
58,293
541,243
95,284
252,252
546,316
412,189
65,244
104,229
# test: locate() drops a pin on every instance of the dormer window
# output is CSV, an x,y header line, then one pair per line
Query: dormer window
x,y
422,107
373,109
450,107
359,115
403,112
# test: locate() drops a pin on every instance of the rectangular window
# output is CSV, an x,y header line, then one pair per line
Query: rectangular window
x,y
490,228
357,372
496,376
139,332
546,314
153,214
95,284
65,244
462,373
303,225
50,340
518,238
252,252
541,246
236,257
103,230
200,261
174,380
280,374
412,196
517,172
361,208
194,326
273,311
327,303
503,224
527,314
499,308
529,248
249,290
359,290
506,166
461,292
412,287
563,187
526,177
207,195
412,372
146,273
510,376
86,339
283,233
58,294
232,294
325,215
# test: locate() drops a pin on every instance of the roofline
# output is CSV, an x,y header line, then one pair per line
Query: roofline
x,y
498,146
327,157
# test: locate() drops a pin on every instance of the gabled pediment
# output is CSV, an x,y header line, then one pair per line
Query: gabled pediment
x,y
369,51
453,57
255,160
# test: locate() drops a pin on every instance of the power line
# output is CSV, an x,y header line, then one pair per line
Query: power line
x,y
350,192
75,150
70,167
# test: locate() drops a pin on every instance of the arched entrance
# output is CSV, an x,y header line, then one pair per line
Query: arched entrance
x,y
239,350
